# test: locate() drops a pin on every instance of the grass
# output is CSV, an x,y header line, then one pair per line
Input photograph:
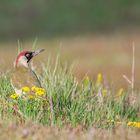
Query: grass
x,y
69,102
72,109
86,54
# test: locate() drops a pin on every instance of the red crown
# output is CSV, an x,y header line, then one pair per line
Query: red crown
x,y
21,54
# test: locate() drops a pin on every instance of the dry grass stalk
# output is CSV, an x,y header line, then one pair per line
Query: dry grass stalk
x,y
132,97
132,81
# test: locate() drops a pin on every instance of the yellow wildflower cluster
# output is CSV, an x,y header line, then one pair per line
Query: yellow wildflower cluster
x,y
134,124
33,92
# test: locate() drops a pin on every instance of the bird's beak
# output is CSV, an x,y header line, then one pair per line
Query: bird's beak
x,y
38,51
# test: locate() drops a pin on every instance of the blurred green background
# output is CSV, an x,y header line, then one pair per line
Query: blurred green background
x,y
30,18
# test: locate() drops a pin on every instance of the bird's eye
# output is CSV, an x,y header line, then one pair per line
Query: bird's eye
x,y
27,55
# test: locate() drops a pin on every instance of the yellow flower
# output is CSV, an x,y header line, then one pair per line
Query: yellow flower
x,y
99,79
25,89
40,93
14,96
41,89
120,92
35,89
130,123
104,92
134,124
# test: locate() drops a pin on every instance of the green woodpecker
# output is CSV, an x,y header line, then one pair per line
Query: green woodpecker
x,y
23,75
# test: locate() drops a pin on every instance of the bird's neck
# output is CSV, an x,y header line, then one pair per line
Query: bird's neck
x,y
23,67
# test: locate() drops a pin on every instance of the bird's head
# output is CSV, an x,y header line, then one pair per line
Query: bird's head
x,y
24,58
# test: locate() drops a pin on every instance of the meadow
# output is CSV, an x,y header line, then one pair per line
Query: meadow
x,y
78,104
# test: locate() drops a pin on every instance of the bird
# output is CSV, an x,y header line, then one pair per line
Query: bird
x,y
23,74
